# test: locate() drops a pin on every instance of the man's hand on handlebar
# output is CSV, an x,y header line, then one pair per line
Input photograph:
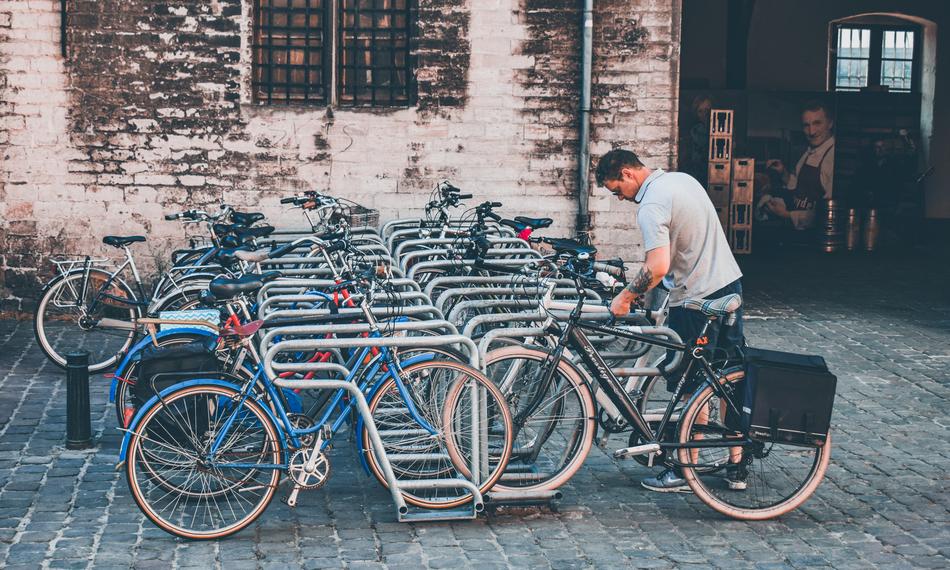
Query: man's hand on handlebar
x,y
621,304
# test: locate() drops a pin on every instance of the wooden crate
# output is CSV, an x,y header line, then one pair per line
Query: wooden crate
x,y
743,168
722,212
720,122
719,194
741,191
719,173
740,215
741,240
720,148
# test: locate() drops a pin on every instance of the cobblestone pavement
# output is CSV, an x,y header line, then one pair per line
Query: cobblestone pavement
x,y
884,328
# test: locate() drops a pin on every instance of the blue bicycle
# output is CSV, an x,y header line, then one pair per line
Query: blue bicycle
x,y
204,457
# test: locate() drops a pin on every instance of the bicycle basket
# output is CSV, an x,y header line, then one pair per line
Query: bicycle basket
x,y
361,216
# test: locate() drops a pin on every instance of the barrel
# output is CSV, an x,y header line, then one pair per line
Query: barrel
x,y
872,229
832,226
853,230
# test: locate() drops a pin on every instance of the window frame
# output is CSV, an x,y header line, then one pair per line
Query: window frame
x,y
331,63
875,56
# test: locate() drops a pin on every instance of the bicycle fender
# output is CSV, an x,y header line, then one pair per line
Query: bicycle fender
x,y
124,446
142,344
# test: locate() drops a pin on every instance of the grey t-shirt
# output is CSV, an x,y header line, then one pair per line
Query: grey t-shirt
x,y
675,211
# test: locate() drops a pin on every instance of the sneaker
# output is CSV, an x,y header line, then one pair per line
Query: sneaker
x,y
736,477
666,482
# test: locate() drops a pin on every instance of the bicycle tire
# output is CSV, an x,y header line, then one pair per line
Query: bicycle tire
x,y
802,468
56,322
436,388
153,497
575,424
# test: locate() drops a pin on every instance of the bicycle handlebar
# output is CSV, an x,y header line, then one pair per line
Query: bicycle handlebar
x,y
608,269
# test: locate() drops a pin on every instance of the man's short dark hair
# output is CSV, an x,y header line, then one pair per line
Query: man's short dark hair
x,y
819,105
613,162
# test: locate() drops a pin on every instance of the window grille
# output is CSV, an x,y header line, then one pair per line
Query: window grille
x,y
875,56
346,52
291,51
375,59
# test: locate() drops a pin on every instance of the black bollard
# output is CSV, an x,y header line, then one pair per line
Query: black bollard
x,y
78,424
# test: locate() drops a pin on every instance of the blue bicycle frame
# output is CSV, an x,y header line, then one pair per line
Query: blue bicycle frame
x,y
386,358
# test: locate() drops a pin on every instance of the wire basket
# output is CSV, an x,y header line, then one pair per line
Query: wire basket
x,y
361,216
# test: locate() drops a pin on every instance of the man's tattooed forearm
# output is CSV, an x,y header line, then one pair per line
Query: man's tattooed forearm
x,y
641,283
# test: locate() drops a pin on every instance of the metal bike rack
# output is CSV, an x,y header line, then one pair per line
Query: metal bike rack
x,y
283,286
354,328
493,255
379,312
501,281
403,298
530,292
458,263
395,486
429,243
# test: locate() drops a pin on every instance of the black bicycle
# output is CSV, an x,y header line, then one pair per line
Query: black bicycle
x,y
557,405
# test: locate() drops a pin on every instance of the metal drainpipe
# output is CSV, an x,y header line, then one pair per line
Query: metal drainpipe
x,y
583,158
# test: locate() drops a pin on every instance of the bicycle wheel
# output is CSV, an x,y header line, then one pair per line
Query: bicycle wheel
x,y
778,477
442,392
179,486
554,433
62,323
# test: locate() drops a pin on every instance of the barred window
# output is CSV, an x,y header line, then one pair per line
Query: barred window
x,y
345,52
875,56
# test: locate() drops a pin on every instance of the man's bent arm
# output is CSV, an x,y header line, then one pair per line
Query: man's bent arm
x,y
656,266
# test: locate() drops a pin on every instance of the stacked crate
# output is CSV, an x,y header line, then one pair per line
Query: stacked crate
x,y
720,163
740,208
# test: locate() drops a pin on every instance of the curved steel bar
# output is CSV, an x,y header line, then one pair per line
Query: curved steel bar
x,y
350,328
367,416
379,312
361,342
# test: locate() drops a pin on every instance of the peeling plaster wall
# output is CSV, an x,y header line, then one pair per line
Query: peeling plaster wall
x,y
151,113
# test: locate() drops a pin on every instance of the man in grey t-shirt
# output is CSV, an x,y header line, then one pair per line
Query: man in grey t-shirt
x,y
684,243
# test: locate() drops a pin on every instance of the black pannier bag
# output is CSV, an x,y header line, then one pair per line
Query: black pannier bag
x,y
787,397
161,367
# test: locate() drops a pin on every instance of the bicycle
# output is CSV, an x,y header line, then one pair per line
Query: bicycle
x,y
91,307
554,411
203,458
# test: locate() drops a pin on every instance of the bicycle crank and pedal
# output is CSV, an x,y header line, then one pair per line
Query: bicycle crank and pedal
x,y
309,469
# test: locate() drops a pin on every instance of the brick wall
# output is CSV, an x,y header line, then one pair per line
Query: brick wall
x,y
150,113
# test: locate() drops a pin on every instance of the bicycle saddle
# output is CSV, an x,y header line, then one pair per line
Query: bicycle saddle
x,y
573,247
536,223
715,307
247,329
120,241
248,233
223,288
246,218
229,256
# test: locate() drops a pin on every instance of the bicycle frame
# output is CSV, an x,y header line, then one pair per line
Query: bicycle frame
x,y
338,402
572,336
